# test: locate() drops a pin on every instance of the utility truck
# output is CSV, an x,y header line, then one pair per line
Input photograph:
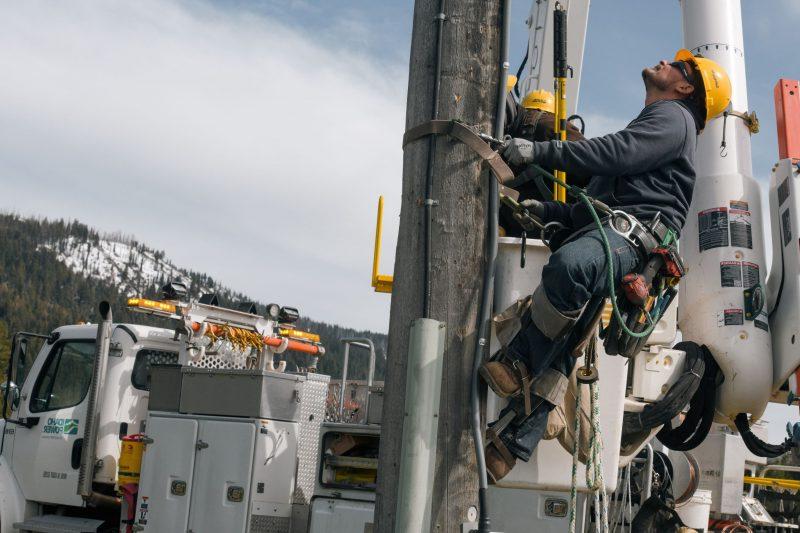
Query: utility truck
x,y
233,441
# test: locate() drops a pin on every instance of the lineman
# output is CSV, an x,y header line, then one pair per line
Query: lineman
x,y
647,171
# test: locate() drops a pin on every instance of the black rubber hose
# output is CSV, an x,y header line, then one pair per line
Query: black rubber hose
x,y
521,68
695,426
428,219
513,115
697,423
583,122
756,445
676,398
674,438
707,418
783,275
484,314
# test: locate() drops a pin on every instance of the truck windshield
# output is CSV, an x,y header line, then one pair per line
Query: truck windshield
x,y
64,379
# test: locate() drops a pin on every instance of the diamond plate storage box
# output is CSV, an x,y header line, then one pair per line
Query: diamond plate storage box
x,y
315,393
245,393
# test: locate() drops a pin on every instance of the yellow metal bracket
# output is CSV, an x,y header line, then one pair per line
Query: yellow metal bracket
x,y
792,484
750,119
380,282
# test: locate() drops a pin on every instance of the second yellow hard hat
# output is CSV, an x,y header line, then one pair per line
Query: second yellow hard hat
x,y
540,99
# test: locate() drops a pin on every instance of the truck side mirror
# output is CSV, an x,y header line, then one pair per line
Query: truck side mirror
x,y
22,355
18,361
10,388
24,348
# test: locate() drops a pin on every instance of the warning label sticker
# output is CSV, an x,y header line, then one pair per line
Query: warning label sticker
x,y
730,274
741,229
734,317
786,227
750,276
761,321
713,228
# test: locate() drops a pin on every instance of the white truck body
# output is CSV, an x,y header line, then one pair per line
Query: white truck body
x,y
42,455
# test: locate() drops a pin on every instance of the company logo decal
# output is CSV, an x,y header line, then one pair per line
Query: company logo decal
x,y
60,426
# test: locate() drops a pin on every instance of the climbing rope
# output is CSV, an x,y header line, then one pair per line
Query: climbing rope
x,y
573,491
594,462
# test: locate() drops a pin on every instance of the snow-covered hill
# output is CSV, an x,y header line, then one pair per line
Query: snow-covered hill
x,y
130,266
56,272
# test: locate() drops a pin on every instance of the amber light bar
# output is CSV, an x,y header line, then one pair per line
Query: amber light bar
x,y
297,334
144,304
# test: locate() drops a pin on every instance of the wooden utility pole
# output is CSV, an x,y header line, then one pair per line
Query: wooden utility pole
x,y
470,67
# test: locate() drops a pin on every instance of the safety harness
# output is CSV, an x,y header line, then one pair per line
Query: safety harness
x,y
649,291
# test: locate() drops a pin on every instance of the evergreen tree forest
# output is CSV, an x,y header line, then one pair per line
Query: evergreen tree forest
x,y
39,292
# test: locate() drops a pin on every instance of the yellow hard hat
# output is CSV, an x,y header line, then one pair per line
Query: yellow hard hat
x,y
511,80
716,83
541,99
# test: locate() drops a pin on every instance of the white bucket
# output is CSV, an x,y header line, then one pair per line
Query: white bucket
x,y
695,512
550,466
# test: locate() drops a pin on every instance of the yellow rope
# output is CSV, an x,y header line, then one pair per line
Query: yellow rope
x,y
239,337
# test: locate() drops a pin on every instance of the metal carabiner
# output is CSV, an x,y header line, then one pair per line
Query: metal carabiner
x,y
623,224
549,230
626,225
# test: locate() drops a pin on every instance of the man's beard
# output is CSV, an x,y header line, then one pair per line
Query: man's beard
x,y
650,81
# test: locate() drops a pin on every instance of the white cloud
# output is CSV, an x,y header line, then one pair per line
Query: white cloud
x,y
242,147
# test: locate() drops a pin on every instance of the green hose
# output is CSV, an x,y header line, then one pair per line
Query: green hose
x,y
583,197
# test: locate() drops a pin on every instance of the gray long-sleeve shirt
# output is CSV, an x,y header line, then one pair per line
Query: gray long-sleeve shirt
x,y
644,169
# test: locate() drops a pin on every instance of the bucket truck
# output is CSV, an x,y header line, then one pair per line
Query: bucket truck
x,y
231,441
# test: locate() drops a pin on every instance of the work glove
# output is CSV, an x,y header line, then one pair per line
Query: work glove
x,y
518,152
534,207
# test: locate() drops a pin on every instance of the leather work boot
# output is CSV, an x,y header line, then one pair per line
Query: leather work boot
x,y
496,466
501,378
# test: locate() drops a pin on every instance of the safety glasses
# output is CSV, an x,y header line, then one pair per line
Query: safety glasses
x,y
681,66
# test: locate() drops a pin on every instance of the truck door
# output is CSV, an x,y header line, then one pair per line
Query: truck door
x,y
50,415
24,347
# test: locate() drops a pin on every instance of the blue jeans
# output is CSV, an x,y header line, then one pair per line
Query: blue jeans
x,y
573,279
